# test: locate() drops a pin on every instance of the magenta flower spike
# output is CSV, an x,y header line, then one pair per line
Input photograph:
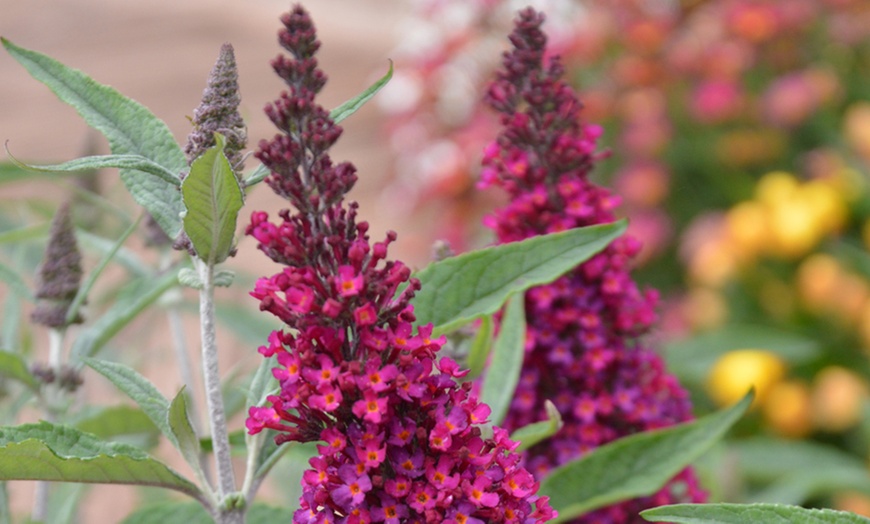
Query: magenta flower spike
x,y
400,438
584,350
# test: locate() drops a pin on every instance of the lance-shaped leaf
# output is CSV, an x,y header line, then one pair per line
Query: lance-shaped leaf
x,y
59,453
122,313
634,466
507,361
130,128
88,284
134,162
781,465
748,514
9,172
352,106
459,289
117,421
257,175
481,346
24,234
13,366
175,512
263,382
185,436
213,198
15,283
64,500
536,432
138,388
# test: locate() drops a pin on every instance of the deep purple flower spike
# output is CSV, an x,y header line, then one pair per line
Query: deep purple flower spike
x,y
400,438
584,350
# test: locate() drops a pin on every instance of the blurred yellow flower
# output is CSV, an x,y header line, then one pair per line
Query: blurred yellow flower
x,y
704,309
737,371
857,127
837,397
817,279
713,263
747,228
775,187
786,408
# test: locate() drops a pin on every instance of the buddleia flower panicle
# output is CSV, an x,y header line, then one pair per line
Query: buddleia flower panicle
x,y
60,274
399,438
218,112
584,349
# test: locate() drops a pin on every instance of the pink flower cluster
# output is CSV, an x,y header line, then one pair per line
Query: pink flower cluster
x,y
400,437
583,350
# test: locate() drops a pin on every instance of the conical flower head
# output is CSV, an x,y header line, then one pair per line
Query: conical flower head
x,y
584,350
219,113
60,273
400,438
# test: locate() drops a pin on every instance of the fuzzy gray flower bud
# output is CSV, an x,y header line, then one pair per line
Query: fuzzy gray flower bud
x,y
59,275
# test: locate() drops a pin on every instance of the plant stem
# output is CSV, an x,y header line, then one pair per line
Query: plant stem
x,y
50,394
214,396
40,502
55,348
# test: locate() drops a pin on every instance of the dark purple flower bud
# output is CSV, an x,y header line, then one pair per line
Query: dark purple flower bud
x,y
219,113
59,275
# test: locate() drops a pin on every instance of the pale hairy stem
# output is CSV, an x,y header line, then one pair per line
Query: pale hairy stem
x,y
49,392
214,397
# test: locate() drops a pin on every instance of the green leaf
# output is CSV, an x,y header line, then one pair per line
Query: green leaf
x,y
92,339
16,283
459,289
170,513
263,382
130,162
530,435
59,453
185,436
748,514
116,421
634,466
691,359
188,277
270,453
507,360
64,501
140,389
191,513
10,329
352,106
25,234
9,172
213,198
224,277
257,175
480,347
88,284
13,366
797,471
129,127
122,256
245,322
